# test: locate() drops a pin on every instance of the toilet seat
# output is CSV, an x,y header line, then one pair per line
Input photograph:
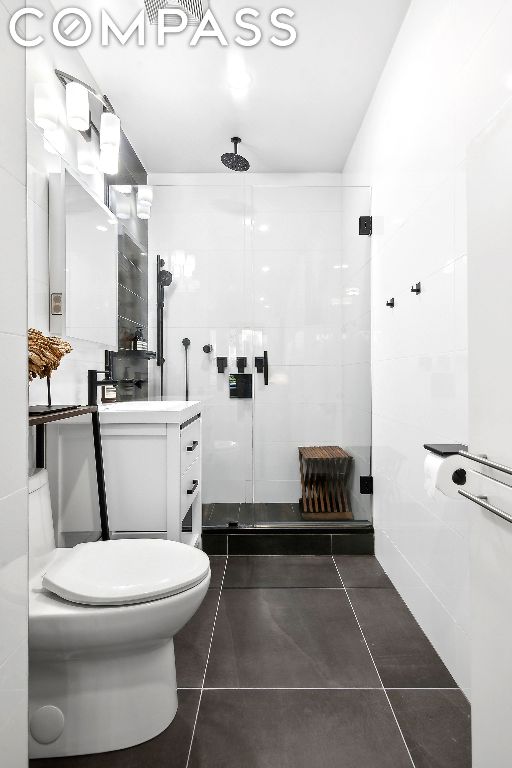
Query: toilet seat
x,y
125,571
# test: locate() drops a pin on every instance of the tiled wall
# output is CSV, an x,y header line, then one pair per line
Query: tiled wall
x,y
13,408
448,74
267,263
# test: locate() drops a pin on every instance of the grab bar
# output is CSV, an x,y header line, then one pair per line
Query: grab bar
x,y
482,502
486,462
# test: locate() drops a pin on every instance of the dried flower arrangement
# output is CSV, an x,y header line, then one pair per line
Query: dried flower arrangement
x,y
44,355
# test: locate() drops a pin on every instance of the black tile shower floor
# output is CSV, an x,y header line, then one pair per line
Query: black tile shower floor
x,y
307,662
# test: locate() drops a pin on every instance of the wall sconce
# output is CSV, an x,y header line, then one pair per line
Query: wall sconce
x,y
77,106
79,118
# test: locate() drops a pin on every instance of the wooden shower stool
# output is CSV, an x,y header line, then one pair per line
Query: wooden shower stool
x,y
324,474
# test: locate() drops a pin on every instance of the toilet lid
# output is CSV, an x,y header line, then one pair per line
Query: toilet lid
x,y
126,571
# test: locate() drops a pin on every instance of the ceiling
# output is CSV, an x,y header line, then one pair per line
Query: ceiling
x,y
296,108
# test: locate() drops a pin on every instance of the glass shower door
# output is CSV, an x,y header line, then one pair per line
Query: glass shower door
x,y
311,304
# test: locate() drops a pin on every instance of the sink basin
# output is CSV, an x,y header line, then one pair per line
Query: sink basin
x,y
149,411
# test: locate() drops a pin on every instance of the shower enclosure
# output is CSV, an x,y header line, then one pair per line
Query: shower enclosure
x,y
271,284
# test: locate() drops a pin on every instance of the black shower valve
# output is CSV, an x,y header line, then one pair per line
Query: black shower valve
x,y
241,364
207,349
390,303
222,364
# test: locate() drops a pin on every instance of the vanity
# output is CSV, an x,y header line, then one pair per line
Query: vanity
x,y
152,460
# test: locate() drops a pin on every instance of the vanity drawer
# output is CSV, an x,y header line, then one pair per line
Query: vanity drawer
x,y
189,487
190,444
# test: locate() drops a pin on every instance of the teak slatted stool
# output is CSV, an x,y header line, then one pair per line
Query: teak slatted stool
x,y
324,474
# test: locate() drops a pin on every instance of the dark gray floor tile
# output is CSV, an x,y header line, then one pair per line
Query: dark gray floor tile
x,y
169,748
436,726
284,571
192,643
297,729
217,565
403,655
271,638
280,544
362,571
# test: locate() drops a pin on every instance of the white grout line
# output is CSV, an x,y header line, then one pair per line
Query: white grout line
x,y
207,660
374,664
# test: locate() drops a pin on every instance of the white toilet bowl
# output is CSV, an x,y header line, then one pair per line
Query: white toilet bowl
x,y
102,618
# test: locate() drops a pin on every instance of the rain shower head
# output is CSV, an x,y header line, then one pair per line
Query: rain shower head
x,y
233,160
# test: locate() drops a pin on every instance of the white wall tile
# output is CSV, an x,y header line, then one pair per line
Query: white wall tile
x,y
411,149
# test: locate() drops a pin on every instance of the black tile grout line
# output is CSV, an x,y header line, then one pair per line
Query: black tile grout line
x,y
207,660
374,664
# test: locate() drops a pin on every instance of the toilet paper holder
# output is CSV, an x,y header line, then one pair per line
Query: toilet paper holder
x,y
452,449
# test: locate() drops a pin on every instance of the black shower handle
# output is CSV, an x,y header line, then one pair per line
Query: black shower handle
x,y
265,368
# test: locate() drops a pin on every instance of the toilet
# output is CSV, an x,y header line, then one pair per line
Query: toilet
x,y
102,617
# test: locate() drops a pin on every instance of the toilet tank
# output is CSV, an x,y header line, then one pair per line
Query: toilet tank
x,y
41,538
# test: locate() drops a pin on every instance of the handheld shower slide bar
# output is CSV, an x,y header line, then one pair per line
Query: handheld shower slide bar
x,y
163,280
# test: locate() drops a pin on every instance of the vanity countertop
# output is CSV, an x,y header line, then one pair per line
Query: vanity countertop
x,y
149,412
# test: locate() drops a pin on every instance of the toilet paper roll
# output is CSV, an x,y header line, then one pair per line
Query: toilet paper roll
x,y
446,474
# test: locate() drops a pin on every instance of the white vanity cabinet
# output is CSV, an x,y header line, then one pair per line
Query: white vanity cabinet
x,y
152,460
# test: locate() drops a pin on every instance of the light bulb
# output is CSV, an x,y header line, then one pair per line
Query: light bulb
x,y
143,209
109,159
123,207
44,111
77,107
86,156
145,194
110,130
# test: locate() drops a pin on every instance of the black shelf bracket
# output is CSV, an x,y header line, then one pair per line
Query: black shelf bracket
x,y
416,289
390,303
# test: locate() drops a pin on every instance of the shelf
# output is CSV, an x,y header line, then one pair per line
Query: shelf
x,y
43,414
137,353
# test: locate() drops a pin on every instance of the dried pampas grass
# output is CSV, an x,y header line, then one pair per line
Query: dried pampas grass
x,y
44,354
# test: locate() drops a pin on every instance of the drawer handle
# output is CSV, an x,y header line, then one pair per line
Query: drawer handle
x,y
193,445
194,486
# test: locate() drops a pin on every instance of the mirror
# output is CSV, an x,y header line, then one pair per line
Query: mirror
x,y
83,264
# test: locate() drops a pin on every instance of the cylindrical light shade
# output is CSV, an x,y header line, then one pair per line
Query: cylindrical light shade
x,y
143,209
110,130
123,208
87,156
77,107
45,115
145,194
109,159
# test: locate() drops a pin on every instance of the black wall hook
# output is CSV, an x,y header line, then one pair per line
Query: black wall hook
x,y
416,289
390,303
